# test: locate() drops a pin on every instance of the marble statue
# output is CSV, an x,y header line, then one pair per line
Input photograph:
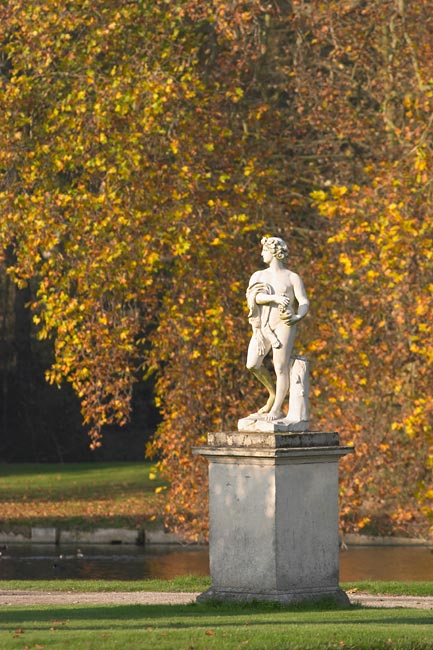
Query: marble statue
x,y
277,301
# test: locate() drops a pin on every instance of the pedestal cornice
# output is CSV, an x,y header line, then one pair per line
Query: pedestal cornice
x,y
311,446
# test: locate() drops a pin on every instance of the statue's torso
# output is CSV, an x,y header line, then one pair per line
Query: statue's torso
x,y
281,283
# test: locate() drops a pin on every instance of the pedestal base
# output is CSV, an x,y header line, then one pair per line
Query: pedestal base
x,y
337,596
273,516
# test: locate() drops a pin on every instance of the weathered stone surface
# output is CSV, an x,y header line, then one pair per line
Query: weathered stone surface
x,y
282,597
273,516
272,440
41,535
101,536
9,537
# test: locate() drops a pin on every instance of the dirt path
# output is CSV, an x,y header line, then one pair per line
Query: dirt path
x,y
94,598
17,598
418,602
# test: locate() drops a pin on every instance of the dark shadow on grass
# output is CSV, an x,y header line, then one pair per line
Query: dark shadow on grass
x,y
30,469
97,493
84,522
190,616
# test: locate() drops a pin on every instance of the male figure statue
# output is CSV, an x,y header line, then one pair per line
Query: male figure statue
x,y
272,295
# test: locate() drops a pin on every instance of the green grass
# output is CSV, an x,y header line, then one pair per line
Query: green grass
x,y
78,495
393,588
219,627
212,626
191,583
20,481
188,583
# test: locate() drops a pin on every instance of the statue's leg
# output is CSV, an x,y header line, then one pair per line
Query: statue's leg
x,y
255,366
265,377
281,358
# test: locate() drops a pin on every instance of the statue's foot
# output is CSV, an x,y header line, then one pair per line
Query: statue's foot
x,y
274,415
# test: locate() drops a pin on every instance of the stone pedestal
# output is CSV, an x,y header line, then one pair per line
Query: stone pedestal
x,y
273,516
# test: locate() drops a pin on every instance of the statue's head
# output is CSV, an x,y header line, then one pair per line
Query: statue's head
x,y
277,247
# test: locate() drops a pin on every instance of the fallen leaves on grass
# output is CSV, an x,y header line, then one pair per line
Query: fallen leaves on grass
x,y
136,509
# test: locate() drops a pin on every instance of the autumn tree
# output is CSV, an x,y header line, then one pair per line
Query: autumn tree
x,y
126,183
370,66
146,147
345,103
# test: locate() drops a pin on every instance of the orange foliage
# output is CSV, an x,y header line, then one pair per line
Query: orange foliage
x,y
146,147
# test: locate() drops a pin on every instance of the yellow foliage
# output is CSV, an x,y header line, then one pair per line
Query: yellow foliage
x,y
347,264
338,191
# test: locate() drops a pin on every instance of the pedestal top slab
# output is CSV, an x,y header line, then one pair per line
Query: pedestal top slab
x,y
258,422
268,440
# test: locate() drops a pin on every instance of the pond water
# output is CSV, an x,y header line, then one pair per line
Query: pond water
x,y
386,563
108,562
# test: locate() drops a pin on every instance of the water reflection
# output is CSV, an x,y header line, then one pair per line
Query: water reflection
x,y
386,563
108,562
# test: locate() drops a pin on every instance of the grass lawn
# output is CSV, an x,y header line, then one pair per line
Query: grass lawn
x,y
188,583
78,495
222,627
